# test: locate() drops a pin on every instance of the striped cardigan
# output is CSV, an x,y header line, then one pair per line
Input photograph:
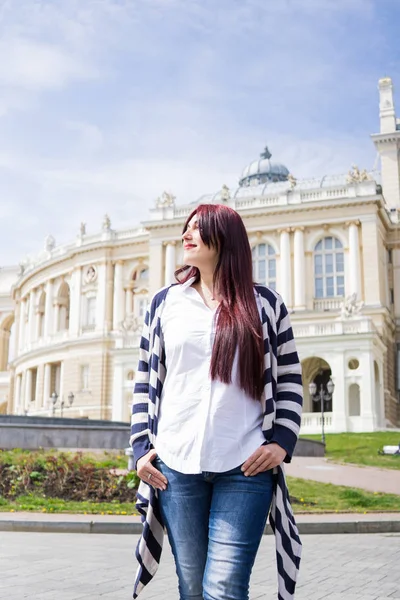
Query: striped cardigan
x,y
282,403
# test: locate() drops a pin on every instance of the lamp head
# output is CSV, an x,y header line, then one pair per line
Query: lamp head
x,y
312,388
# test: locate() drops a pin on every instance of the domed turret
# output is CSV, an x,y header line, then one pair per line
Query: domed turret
x,y
263,170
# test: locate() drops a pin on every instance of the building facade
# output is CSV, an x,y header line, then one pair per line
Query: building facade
x,y
330,246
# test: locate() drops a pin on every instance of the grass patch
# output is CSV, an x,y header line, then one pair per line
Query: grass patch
x,y
361,448
312,497
34,503
307,497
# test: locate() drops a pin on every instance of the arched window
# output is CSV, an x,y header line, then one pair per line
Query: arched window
x,y
264,265
41,311
63,303
329,268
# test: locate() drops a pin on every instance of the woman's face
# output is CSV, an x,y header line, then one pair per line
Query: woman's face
x,y
195,251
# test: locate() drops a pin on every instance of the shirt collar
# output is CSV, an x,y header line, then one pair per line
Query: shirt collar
x,y
188,283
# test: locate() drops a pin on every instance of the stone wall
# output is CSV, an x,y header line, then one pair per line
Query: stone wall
x,y
30,433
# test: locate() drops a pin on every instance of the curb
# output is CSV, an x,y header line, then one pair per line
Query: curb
x,y
136,528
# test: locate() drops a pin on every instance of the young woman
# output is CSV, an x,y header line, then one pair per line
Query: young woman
x,y
216,411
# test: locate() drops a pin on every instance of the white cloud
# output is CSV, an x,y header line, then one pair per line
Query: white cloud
x,y
33,65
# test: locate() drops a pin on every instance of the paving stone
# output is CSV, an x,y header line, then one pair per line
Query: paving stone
x,y
52,566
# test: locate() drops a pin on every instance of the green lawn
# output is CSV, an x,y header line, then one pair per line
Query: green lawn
x,y
361,448
311,496
307,497
55,505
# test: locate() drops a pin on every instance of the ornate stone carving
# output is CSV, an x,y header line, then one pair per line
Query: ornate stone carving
x,y
350,307
82,229
91,274
49,243
106,223
292,180
225,193
357,176
166,199
130,324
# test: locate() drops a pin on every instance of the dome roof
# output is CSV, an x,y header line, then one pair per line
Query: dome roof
x,y
263,170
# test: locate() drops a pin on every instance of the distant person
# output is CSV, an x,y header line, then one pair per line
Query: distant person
x,y
216,411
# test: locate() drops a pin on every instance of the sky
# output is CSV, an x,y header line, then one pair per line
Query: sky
x,y
104,104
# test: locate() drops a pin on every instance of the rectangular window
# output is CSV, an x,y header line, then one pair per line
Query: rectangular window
x,y
319,288
261,270
85,373
142,305
272,269
330,290
318,264
91,311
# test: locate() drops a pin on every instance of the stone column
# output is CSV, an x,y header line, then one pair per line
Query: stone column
x,y
22,318
285,288
28,389
354,260
118,295
56,316
109,295
75,302
48,310
39,375
46,385
170,262
101,297
31,318
299,270
17,398
118,393
128,301
38,318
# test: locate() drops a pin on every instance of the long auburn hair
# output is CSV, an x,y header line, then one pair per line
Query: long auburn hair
x,y
238,324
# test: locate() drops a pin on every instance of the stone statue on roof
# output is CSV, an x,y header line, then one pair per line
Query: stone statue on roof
x,y
82,229
357,176
166,199
49,243
292,180
266,154
106,223
225,193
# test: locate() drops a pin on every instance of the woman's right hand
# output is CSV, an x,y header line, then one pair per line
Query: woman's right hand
x,y
150,474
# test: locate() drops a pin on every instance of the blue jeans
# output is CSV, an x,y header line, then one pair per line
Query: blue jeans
x,y
214,523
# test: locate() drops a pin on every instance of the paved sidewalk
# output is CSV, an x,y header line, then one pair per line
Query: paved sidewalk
x,y
81,567
371,479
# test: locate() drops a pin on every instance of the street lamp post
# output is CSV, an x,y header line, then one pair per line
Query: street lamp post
x,y
54,398
322,396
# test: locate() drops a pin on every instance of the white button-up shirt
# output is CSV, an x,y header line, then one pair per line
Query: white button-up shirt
x,y
203,425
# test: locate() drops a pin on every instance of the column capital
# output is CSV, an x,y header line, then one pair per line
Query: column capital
x,y
169,243
355,222
299,228
284,230
119,262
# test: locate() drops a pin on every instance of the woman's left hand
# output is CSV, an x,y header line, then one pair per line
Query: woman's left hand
x,y
264,458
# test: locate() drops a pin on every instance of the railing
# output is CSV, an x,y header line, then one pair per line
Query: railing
x,y
337,327
328,303
89,327
312,422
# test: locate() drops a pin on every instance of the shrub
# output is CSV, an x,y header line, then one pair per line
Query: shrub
x,y
65,477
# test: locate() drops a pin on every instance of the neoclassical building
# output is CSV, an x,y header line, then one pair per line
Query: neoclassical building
x,y
330,246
